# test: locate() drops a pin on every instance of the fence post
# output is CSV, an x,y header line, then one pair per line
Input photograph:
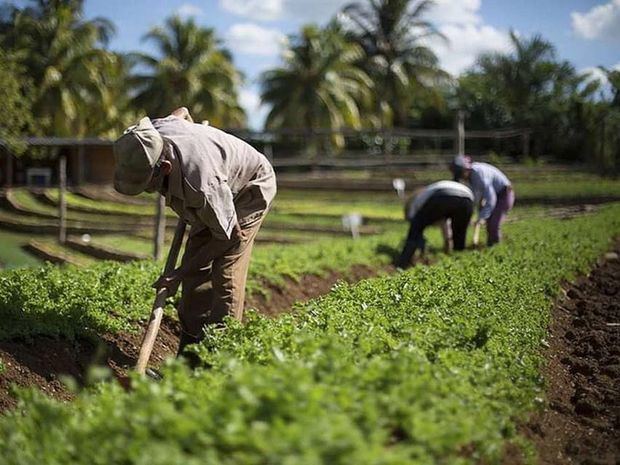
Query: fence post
x,y
460,132
62,198
526,143
160,227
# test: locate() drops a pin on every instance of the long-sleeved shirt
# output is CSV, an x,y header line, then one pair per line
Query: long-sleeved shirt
x,y
217,180
486,182
448,188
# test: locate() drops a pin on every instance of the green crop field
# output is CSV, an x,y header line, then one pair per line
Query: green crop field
x,y
412,368
109,296
409,368
297,215
308,335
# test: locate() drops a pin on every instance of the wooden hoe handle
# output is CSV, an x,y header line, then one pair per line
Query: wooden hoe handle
x,y
160,301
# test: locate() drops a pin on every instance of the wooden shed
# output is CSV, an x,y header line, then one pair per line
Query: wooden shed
x,y
89,161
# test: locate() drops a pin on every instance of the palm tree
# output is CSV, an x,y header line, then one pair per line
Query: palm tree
x,y
319,85
613,78
393,34
530,82
192,70
530,87
63,54
16,115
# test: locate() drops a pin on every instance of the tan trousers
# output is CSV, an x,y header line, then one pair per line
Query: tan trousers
x,y
218,288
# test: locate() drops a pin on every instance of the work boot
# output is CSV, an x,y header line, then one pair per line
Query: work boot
x,y
154,374
192,359
404,260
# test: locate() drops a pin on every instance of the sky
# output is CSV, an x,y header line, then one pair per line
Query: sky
x,y
585,32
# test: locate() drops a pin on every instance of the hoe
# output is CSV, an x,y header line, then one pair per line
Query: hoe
x,y
160,301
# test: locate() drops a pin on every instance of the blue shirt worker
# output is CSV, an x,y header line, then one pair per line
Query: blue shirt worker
x,y
493,194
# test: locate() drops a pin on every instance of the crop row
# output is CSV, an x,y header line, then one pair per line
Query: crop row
x,y
110,296
433,365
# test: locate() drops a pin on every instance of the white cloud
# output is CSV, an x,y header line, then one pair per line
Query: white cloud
x,y
455,12
594,74
253,39
459,20
466,42
313,10
597,74
262,10
188,9
600,22
302,11
466,33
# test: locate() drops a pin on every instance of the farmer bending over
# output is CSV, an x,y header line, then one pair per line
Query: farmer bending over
x,y
218,184
442,201
493,194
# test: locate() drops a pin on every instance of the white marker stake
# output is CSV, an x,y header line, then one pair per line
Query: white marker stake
x,y
352,222
399,186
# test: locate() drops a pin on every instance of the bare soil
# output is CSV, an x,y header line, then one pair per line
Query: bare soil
x,y
581,421
42,362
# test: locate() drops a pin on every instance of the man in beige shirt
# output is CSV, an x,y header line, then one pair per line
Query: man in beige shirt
x,y
217,183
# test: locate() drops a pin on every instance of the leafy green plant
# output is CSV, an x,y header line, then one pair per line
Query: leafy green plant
x,y
110,296
434,365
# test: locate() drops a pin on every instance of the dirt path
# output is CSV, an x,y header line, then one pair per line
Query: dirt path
x,y
581,424
42,361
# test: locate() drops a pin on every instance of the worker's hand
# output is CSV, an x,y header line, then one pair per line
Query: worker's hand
x,y
476,238
170,282
237,233
183,113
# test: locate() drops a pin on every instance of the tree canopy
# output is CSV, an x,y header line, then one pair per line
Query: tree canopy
x,y
192,69
372,66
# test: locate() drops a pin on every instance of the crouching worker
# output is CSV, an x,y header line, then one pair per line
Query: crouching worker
x,y
493,194
218,184
445,201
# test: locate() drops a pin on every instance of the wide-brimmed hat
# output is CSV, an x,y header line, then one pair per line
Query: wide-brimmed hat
x,y
135,154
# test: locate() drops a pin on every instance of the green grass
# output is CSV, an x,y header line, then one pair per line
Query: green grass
x,y
52,245
106,207
143,245
312,209
11,253
386,205
553,185
127,243
432,366
391,208
28,201
568,189
109,296
112,208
